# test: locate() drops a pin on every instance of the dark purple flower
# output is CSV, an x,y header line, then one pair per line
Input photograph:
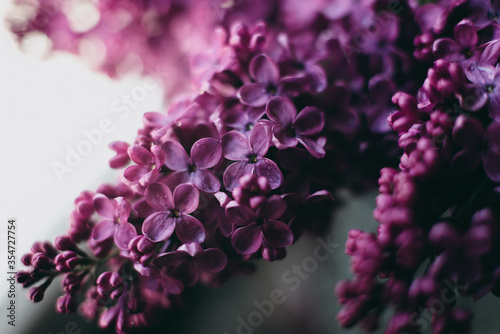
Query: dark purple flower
x,y
116,212
66,261
462,48
189,259
267,76
249,154
468,133
66,304
205,154
110,285
174,210
291,129
256,226
148,165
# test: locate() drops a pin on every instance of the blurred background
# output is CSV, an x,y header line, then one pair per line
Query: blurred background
x,y
49,107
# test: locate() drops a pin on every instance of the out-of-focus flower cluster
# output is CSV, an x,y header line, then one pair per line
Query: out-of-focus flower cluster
x,y
292,103
438,236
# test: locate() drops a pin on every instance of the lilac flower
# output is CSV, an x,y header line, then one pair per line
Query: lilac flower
x,y
148,165
189,259
463,48
267,76
291,129
205,154
116,212
249,154
486,89
121,158
173,214
468,133
256,226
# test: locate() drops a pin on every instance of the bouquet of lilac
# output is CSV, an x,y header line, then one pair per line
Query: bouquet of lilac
x,y
294,101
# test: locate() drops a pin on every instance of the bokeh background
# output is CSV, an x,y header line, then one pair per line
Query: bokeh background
x,y
47,105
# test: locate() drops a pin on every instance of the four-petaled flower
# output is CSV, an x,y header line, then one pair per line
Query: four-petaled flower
x,y
291,129
205,153
148,165
173,213
116,212
249,154
259,225
189,259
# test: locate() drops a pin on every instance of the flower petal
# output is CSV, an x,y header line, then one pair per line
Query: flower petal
x,y
186,198
247,240
310,121
259,140
465,34
283,139
188,272
281,111
159,196
269,169
104,206
234,172
239,214
211,260
206,181
159,226
448,49
124,233
235,146
277,233
314,147
103,230
176,157
206,153
140,155
273,208
253,94
171,259
133,174
190,229
264,70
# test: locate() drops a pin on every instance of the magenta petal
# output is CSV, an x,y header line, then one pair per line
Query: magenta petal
x,y
309,122
247,240
134,173
104,206
239,214
234,172
206,153
206,181
269,169
264,70
103,230
211,260
159,226
188,272
277,233
479,74
190,229
186,198
140,155
178,178
273,208
176,157
225,224
448,49
466,35
159,197
171,259
253,94
283,137
124,233
172,285
314,147
259,140
235,146
281,111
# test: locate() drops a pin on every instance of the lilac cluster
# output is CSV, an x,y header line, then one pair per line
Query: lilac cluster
x,y
291,105
438,212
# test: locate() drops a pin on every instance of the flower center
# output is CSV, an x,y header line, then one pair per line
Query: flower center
x,y
259,222
249,126
175,213
192,168
252,159
493,16
290,132
271,89
490,88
